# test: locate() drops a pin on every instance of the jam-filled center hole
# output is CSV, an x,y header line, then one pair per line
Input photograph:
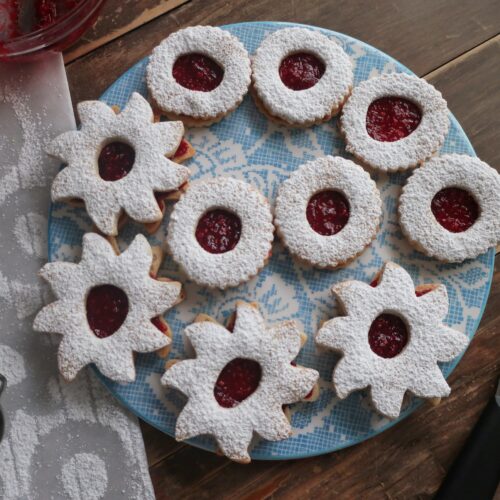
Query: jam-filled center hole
x,y
455,209
197,72
301,70
107,308
327,212
390,119
218,231
116,160
237,380
388,335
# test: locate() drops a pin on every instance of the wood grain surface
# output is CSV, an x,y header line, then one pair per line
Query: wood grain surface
x,y
454,44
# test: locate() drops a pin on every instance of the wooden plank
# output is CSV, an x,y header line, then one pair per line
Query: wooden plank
x,y
422,35
407,461
470,85
158,445
116,18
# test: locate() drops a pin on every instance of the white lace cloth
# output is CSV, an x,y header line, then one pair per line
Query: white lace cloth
x,y
62,440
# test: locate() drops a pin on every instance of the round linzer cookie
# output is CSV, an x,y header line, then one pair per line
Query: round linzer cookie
x,y
220,232
300,77
328,211
240,380
198,75
391,339
394,122
449,209
108,307
117,162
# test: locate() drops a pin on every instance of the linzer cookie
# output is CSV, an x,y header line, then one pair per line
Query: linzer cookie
x,y
107,308
394,122
198,75
300,77
449,209
391,340
328,211
239,381
220,232
116,163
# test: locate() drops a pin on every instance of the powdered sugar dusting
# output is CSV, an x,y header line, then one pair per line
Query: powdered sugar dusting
x,y
250,254
84,477
274,349
12,365
365,207
405,153
151,171
25,167
305,106
421,227
219,45
415,368
147,298
30,231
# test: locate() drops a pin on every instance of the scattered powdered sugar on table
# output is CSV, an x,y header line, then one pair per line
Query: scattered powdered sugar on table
x,y
88,470
12,365
54,430
30,231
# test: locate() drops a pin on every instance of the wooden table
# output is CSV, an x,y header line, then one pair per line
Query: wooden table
x,y
455,45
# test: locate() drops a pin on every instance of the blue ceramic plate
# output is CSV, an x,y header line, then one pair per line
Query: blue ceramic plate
x,y
247,146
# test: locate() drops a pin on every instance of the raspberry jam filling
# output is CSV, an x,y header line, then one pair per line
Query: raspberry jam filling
x,y
197,72
390,119
116,160
159,324
218,231
182,149
455,209
301,71
387,335
419,291
327,212
107,308
237,380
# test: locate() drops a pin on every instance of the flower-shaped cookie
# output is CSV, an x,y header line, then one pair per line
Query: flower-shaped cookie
x,y
104,307
391,340
239,381
117,162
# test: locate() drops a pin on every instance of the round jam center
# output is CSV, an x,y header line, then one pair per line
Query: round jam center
x,y
237,380
301,71
455,209
387,335
116,160
218,231
107,308
327,212
197,72
390,119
